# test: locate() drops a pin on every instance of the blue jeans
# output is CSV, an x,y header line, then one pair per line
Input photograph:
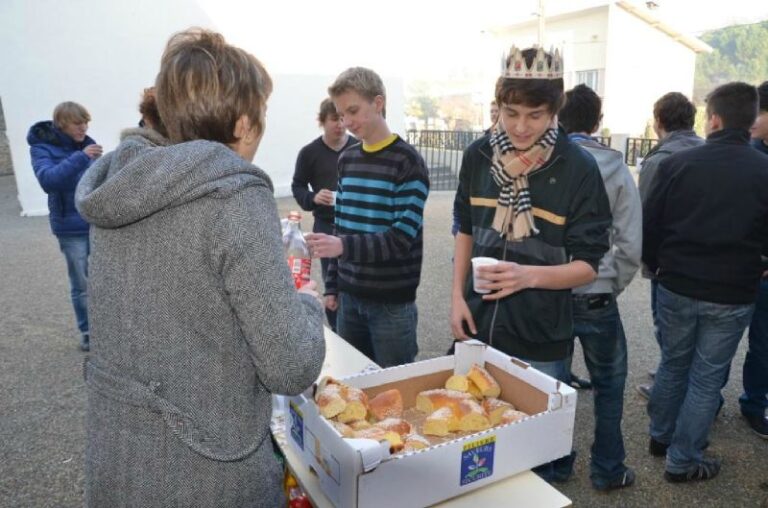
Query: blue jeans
x,y
384,332
559,470
698,341
76,250
754,400
601,333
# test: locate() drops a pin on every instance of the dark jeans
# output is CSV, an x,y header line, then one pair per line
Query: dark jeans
x,y
601,333
754,400
384,332
698,341
322,226
76,250
654,315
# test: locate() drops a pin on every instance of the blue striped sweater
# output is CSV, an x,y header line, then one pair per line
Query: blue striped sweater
x,y
379,215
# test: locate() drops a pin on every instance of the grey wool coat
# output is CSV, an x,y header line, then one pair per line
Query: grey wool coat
x,y
195,322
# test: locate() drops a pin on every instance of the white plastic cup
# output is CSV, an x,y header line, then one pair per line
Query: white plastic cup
x,y
333,198
477,262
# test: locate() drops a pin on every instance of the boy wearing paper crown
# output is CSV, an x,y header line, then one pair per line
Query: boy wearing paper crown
x,y
532,199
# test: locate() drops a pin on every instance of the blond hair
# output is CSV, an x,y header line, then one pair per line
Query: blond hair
x,y
205,85
358,79
68,113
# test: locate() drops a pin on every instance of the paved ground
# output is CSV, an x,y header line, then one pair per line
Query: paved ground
x,y
41,400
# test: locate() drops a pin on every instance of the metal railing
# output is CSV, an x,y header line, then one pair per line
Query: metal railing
x,y
638,148
442,152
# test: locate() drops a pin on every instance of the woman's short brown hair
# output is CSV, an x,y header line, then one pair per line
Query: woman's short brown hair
x,y
205,85
531,93
68,113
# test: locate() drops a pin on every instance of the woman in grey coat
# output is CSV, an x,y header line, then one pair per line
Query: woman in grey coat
x,y
195,319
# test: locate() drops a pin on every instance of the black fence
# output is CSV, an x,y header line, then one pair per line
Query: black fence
x,y
442,152
638,148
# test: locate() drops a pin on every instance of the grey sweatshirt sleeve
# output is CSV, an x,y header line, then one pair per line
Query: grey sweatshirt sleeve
x,y
283,329
627,231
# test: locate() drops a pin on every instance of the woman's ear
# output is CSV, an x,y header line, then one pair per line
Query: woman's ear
x,y
243,129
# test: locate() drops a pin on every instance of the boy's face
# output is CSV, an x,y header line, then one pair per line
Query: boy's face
x,y
524,124
759,129
359,115
333,127
76,130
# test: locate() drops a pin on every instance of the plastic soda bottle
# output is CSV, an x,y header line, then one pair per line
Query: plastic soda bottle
x,y
296,250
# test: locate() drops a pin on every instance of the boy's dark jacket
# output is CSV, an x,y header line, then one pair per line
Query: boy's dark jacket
x,y
705,220
572,214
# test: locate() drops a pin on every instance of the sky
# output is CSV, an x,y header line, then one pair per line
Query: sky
x,y
417,39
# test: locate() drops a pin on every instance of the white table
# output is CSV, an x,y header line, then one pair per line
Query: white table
x,y
524,489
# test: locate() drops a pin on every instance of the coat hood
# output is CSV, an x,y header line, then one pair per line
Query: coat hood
x,y
145,175
46,133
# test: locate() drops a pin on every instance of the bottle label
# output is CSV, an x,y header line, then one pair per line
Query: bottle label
x,y
300,268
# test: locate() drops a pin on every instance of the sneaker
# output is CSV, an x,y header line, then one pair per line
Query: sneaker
x,y
85,342
579,383
759,425
657,448
704,470
644,391
625,480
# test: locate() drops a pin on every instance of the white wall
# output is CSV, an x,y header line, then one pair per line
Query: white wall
x,y
103,54
643,64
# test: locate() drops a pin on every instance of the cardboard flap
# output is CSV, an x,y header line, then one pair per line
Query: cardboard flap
x,y
371,452
468,352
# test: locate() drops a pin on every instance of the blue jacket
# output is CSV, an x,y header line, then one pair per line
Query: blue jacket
x,y
59,163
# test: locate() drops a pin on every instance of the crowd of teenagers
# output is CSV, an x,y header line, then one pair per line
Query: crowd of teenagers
x,y
182,294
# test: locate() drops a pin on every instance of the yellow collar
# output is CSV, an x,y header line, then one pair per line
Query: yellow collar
x,y
381,144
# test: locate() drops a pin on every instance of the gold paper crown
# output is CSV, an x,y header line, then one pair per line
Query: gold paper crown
x,y
539,68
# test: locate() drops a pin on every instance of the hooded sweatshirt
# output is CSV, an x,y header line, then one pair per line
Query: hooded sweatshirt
x,y
619,265
195,322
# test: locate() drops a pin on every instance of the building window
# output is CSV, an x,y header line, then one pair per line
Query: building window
x,y
588,78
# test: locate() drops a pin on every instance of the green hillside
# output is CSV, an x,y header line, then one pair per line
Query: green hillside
x,y
741,54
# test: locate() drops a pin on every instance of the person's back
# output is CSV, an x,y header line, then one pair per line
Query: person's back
x,y
196,319
674,116
715,200
705,222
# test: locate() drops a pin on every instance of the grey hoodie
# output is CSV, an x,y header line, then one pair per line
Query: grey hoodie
x,y
672,142
195,322
619,265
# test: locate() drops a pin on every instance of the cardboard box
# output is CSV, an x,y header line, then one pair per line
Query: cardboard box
x,y
361,472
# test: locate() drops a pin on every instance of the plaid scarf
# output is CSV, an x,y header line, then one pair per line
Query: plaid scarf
x,y
510,169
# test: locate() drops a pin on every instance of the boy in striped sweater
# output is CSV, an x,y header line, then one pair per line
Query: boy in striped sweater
x,y
375,254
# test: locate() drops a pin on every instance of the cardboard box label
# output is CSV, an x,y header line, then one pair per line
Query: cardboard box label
x,y
477,460
297,425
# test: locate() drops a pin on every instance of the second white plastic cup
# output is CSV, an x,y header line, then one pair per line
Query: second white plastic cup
x,y
477,262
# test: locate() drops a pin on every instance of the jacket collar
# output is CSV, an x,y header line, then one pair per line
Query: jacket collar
x,y
730,137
